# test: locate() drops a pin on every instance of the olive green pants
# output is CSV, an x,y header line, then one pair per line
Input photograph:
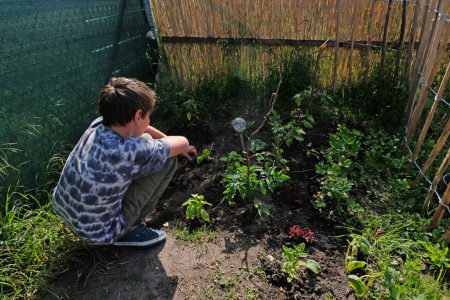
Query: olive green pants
x,y
143,193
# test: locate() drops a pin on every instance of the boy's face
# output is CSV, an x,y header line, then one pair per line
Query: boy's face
x,y
143,123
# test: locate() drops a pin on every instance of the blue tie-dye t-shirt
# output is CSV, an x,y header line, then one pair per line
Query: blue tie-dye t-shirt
x,y
96,176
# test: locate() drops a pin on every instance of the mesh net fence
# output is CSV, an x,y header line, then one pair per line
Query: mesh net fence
x,y
55,55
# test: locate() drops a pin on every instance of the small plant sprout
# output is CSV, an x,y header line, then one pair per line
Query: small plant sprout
x,y
296,232
203,156
194,208
292,262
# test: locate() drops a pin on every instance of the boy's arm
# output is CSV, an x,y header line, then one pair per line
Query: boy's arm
x,y
155,133
179,145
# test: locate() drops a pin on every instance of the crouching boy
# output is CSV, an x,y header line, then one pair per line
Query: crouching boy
x,y
119,169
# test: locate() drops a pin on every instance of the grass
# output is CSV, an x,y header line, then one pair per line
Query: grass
x,y
197,236
35,247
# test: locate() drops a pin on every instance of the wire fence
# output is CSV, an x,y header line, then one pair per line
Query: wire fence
x,y
54,57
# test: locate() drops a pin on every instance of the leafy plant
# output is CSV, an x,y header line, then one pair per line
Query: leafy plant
x,y
194,208
337,167
285,133
296,232
359,284
246,181
203,156
437,257
292,262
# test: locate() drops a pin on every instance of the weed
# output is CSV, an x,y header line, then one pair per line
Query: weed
x,y
292,262
252,294
134,277
194,208
198,235
32,241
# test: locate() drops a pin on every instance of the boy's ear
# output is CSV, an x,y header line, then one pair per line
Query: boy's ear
x,y
137,115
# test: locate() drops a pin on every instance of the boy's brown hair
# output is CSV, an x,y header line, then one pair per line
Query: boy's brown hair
x,y
122,97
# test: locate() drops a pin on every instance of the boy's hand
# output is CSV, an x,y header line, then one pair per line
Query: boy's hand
x,y
191,152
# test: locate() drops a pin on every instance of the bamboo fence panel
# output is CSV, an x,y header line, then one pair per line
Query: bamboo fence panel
x,y
283,19
432,56
423,65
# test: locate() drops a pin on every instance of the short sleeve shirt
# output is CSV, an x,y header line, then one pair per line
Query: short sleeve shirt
x,y
96,176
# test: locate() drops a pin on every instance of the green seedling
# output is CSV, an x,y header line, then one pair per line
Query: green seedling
x,y
194,208
203,156
293,262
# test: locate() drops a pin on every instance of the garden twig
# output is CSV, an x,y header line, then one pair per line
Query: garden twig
x,y
273,99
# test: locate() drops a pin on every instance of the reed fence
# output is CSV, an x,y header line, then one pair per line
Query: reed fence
x,y
357,35
199,36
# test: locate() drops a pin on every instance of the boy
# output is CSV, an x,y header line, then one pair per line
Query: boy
x,y
119,169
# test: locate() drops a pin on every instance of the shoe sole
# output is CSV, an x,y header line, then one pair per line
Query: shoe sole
x,y
141,244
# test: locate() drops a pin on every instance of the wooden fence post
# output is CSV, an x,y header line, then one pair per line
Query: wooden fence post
x,y
416,73
434,153
369,41
437,217
436,180
336,46
427,77
385,34
352,37
401,39
412,40
427,124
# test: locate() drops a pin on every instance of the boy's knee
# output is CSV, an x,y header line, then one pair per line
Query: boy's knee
x,y
146,136
173,162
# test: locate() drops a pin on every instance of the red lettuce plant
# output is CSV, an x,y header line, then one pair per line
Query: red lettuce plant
x,y
296,232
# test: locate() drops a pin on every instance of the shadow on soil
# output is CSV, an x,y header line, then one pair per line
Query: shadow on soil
x,y
116,273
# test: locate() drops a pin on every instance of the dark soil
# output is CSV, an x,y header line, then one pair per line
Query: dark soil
x,y
242,259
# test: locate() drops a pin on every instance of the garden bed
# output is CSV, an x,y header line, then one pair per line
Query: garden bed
x,y
239,255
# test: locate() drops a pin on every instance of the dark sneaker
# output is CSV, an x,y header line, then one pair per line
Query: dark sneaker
x,y
142,236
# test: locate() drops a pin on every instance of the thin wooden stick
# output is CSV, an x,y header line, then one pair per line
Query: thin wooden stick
x,y
385,33
437,217
336,46
436,149
416,73
427,124
369,41
417,110
273,99
401,39
445,237
412,40
316,70
436,180
428,77
435,23
352,37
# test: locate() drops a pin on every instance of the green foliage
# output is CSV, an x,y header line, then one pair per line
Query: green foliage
x,y
337,168
194,208
246,181
35,246
392,249
296,76
203,156
198,235
293,262
294,129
